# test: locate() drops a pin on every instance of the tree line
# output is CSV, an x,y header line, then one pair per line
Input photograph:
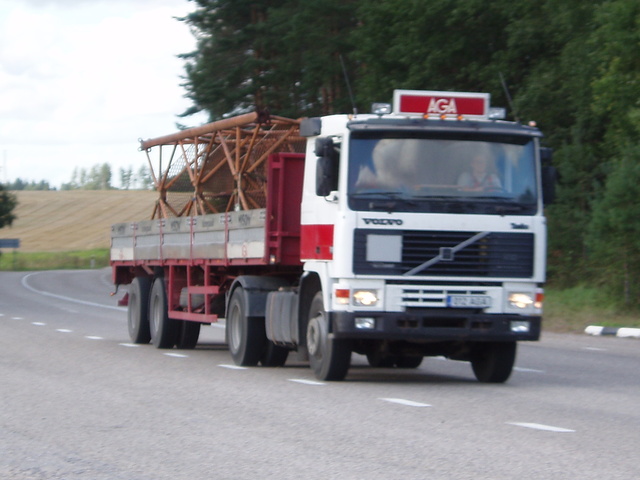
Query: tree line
x,y
97,177
572,66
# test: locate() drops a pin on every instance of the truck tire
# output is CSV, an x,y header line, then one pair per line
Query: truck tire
x,y
164,331
329,358
138,310
245,335
493,362
188,335
274,355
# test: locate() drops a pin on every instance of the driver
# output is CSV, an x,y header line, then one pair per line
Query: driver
x,y
479,177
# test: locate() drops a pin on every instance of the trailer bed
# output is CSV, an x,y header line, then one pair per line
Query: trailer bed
x,y
224,238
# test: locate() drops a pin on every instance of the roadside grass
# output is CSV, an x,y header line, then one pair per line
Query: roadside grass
x,y
81,259
574,309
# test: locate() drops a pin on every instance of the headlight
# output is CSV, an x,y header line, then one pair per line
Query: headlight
x,y
365,298
521,300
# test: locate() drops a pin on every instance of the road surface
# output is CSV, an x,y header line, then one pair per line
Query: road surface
x,y
79,401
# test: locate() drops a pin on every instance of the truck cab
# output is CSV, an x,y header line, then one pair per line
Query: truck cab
x,y
424,232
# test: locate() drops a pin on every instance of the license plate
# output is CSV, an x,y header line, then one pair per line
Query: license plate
x,y
468,301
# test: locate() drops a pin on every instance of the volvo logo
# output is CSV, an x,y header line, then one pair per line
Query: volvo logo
x,y
383,221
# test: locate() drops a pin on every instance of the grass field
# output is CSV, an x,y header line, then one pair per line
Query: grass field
x,y
74,220
71,229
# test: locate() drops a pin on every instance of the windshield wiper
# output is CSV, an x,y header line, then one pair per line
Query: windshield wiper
x,y
387,201
381,193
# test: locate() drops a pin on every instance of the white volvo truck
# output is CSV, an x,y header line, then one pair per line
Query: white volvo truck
x,y
416,230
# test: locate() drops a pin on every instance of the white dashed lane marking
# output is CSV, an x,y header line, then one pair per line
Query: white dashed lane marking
x,y
402,401
176,355
232,367
38,324
538,426
305,381
93,337
129,345
63,330
527,370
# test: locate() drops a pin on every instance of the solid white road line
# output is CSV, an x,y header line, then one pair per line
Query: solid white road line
x,y
26,285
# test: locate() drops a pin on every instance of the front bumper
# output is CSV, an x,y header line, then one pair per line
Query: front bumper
x,y
436,325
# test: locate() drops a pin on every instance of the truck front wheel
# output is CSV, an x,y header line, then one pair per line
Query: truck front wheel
x,y
245,335
493,362
329,358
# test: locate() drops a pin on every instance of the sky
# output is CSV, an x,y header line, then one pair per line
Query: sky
x,y
81,81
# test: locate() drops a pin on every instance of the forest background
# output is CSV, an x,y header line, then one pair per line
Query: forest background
x,y
571,66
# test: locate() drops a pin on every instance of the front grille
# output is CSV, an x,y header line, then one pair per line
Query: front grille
x,y
502,255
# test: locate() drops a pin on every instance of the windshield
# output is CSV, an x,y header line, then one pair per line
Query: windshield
x,y
411,172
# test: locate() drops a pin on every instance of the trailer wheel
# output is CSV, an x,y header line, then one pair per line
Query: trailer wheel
x,y
493,362
245,335
189,332
164,331
138,310
274,355
329,358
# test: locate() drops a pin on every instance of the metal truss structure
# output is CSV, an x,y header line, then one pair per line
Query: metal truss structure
x,y
218,167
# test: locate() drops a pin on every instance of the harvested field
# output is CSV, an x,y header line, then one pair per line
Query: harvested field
x,y
62,221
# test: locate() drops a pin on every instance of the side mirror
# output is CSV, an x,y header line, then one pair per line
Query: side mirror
x,y
549,176
327,167
324,147
549,179
546,155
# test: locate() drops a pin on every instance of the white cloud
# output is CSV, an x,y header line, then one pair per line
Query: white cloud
x,y
82,80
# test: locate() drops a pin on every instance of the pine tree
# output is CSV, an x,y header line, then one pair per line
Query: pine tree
x,y
8,203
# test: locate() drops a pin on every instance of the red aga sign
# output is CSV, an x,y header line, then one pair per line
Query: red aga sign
x,y
441,103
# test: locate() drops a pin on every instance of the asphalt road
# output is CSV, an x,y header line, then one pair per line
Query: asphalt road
x,y
78,401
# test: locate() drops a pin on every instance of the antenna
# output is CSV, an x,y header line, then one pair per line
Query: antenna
x,y
506,92
346,79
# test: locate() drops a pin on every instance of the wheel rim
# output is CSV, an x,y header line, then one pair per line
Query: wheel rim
x,y
131,311
234,332
314,336
155,314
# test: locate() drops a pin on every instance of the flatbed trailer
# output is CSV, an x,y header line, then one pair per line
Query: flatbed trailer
x,y
200,255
